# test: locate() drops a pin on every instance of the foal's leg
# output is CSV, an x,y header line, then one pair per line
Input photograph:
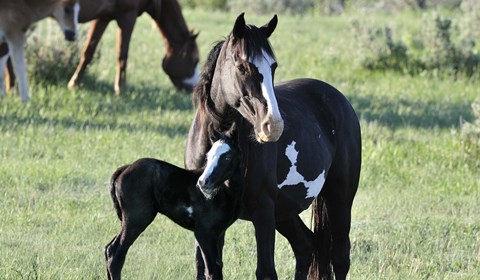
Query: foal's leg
x,y
300,238
9,75
211,245
94,35
126,22
133,224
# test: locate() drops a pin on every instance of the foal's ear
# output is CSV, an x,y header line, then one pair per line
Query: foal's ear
x,y
268,28
239,27
213,134
232,133
193,34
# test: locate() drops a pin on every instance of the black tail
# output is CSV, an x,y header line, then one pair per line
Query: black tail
x,y
112,190
321,267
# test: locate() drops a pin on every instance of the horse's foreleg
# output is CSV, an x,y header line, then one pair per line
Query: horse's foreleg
x,y
264,222
300,238
199,262
10,75
94,35
15,45
3,70
126,22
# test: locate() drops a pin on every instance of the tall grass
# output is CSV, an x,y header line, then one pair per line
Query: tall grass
x,y
416,214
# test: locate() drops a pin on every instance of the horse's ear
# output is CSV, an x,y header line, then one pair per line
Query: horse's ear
x,y
232,132
268,28
239,27
193,34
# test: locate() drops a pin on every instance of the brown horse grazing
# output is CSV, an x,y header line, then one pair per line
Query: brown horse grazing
x,y
15,18
180,62
148,186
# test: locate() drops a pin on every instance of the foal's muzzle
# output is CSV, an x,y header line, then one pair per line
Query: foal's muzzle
x,y
207,189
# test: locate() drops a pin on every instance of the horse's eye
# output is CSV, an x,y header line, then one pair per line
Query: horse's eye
x,y
67,10
228,158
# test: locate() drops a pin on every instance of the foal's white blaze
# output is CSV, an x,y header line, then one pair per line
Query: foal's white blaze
x,y
264,63
193,79
218,149
294,177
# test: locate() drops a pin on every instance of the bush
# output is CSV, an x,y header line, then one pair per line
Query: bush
x,y
471,135
438,50
50,58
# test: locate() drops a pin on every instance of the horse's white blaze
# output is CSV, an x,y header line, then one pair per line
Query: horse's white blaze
x,y
217,150
264,63
294,177
193,79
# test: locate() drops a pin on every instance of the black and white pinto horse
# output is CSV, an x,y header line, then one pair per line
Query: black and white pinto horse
x,y
301,144
149,186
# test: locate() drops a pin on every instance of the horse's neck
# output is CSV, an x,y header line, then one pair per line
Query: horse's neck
x,y
167,14
41,9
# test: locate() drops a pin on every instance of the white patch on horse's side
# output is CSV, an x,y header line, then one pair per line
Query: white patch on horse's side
x,y
294,177
264,63
193,79
217,150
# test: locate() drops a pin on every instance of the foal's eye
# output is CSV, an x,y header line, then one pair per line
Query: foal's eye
x,y
67,10
241,69
228,158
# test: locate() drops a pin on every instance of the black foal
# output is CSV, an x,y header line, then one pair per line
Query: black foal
x,y
148,186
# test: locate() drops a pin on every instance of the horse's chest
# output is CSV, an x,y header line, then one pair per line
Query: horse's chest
x,y
302,171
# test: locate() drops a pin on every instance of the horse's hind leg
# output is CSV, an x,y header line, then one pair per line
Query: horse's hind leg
x,y
3,70
339,200
126,22
300,238
116,250
94,35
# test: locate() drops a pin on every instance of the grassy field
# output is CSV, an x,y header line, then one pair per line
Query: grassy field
x,y
416,214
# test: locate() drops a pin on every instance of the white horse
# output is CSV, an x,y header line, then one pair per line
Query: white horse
x,y
16,16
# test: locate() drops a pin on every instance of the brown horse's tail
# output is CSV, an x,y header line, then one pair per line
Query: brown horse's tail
x,y
113,183
321,267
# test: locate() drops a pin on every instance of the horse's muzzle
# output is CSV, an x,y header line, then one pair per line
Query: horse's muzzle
x,y
70,35
270,131
207,190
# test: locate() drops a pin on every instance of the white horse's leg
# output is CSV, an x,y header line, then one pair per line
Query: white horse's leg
x,y
3,65
15,45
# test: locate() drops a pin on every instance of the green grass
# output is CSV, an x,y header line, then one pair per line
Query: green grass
x,y
416,214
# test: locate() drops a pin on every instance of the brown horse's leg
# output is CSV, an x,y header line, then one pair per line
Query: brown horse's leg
x,y
125,22
94,35
10,75
300,239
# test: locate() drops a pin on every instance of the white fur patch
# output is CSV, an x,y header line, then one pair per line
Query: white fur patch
x,y
264,63
217,150
76,11
193,79
294,177
189,210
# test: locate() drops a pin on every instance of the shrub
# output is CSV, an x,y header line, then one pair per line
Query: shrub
x,y
439,50
471,135
50,58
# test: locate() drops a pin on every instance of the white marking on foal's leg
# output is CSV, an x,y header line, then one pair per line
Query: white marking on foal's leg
x,y
294,177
